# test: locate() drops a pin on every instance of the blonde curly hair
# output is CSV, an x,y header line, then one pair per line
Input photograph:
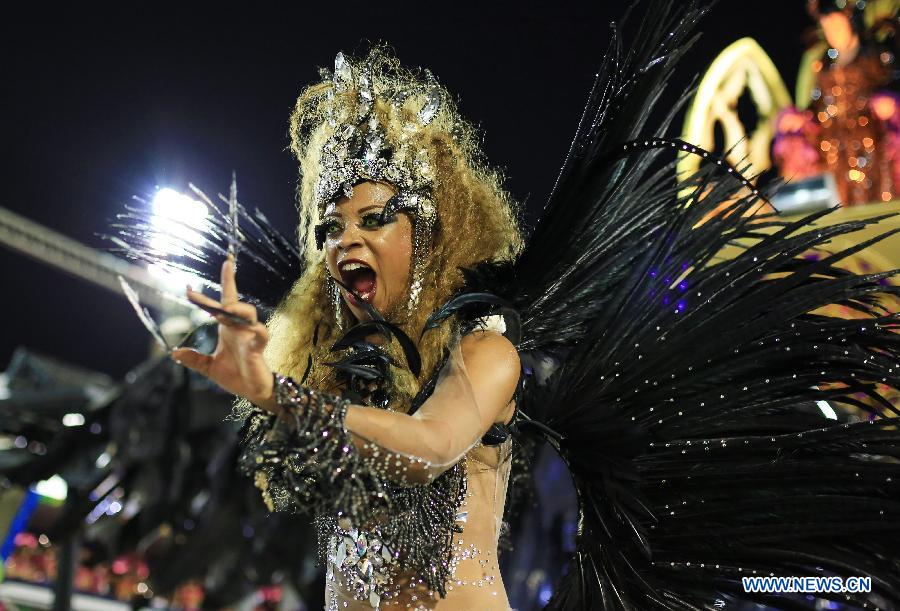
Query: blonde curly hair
x,y
477,220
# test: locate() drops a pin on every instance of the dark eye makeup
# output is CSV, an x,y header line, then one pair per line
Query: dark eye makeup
x,y
371,220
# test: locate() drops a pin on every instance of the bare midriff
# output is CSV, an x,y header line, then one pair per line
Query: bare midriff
x,y
476,582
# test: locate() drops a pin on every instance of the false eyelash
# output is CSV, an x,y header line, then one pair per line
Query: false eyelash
x,y
393,206
382,218
319,232
390,208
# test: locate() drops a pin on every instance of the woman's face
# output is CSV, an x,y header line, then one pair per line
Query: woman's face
x,y
372,258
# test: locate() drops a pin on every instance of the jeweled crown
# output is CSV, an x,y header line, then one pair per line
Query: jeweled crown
x,y
358,148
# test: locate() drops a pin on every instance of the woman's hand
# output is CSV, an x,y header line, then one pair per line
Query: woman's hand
x,y
237,363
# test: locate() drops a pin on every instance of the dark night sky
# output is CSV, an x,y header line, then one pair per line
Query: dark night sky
x,y
98,108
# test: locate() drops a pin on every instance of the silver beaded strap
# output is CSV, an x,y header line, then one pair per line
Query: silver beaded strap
x,y
304,459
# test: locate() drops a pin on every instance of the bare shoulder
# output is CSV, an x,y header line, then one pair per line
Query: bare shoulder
x,y
488,345
493,366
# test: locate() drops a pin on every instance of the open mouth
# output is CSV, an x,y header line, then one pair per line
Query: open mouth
x,y
361,278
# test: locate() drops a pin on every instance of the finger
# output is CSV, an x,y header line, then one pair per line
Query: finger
x,y
259,330
241,312
229,286
198,298
261,338
213,311
190,358
244,310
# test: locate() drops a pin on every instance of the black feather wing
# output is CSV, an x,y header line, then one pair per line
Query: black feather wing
x,y
600,204
688,385
690,419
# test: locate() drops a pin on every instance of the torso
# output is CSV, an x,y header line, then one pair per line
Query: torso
x,y
371,579
476,582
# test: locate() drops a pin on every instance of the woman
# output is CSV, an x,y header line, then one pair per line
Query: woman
x,y
683,391
384,228
847,128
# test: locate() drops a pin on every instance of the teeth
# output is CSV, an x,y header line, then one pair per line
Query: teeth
x,y
353,266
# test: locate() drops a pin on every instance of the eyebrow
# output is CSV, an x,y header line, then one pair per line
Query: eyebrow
x,y
361,210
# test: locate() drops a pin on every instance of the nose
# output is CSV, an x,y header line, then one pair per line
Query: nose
x,y
350,237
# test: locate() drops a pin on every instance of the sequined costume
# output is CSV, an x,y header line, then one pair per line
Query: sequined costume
x,y
392,531
854,142
682,390
842,132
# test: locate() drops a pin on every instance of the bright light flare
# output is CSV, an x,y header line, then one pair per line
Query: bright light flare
x,y
176,219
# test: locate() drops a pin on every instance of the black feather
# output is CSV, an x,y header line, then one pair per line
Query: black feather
x,y
461,303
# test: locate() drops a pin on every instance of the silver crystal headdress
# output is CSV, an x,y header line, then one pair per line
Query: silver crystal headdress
x,y
358,147
358,150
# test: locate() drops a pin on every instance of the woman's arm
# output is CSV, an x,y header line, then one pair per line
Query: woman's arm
x,y
323,454
474,391
310,449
